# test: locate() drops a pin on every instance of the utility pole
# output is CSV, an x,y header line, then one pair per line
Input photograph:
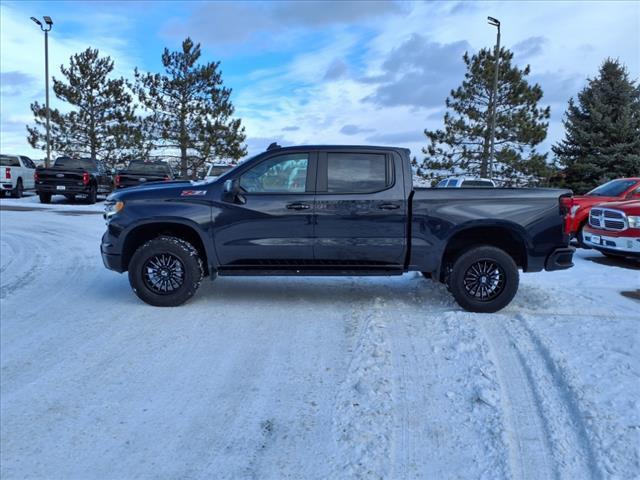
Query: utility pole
x,y
49,23
496,23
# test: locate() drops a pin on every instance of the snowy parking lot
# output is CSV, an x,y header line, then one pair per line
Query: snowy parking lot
x,y
312,377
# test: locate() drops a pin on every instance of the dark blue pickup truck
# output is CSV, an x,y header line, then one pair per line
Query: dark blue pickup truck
x,y
333,210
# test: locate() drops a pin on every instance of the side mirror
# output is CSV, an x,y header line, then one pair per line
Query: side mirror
x,y
232,191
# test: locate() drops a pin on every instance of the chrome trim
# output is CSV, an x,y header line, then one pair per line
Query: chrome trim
x,y
608,219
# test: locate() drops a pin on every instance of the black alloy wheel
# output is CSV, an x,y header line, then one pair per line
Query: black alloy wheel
x,y
163,273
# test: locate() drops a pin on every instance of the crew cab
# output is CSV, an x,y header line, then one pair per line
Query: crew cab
x,y
614,229
70,177
139,172
16,174
333,210
615,190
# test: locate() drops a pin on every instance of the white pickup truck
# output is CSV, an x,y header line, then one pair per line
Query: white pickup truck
x,y
16,175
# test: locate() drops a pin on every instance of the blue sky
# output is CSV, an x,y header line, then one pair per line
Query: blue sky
x,y
321,72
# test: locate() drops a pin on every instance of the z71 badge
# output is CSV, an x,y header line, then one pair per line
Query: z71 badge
x,y
192,193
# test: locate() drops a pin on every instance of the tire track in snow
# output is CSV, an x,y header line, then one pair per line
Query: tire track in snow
x,y
545,433
363,421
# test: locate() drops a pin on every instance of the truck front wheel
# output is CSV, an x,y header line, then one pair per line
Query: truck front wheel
x,y
484,279
165,271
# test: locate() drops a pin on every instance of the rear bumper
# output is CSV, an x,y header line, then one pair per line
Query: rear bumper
x,y
68,189
628,246
7,186
560,259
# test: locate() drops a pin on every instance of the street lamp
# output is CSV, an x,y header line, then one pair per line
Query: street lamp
x,y
496,23
49,25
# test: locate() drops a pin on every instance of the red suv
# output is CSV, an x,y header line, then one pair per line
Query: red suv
x,y
614,228
615,190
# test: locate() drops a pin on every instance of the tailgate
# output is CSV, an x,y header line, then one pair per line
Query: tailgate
x,y
53,176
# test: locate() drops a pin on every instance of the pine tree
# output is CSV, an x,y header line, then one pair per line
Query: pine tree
x,y
602,139
463,147
101,123
190,114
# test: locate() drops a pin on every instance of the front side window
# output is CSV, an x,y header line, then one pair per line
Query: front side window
x,y
452,184
281,174
358,172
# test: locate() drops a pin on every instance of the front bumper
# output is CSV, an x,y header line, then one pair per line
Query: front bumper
x,y
560,259
113,261
615,244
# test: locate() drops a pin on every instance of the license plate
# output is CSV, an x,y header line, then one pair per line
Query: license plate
x,y
596,239
61,187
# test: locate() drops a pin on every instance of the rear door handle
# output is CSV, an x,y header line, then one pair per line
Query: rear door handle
x,y
298,206
388,206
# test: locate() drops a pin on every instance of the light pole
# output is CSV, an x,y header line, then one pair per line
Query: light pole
x,y
49,23
496,23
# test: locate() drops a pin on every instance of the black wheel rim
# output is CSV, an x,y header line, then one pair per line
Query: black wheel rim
x,y
484,280
163,273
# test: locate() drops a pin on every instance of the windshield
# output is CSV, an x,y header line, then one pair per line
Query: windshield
x,y
614,188
8,161
72,163
150,168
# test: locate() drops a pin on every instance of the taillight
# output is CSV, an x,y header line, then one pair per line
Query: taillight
x,y
85,178
7,173
117,180
36,176
566,205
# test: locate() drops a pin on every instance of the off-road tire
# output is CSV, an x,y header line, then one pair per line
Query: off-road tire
x,y
93,195
175,247
17,192
462,267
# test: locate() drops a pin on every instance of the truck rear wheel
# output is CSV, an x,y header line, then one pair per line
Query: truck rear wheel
x,y
165,271
44,197
484,279
17,192
92,197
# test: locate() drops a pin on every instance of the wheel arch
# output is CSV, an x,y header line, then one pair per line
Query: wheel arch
x,y
506,236
143,232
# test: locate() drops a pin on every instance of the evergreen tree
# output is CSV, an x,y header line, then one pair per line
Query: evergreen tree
x,y
602,139
101,123
463,147
190,114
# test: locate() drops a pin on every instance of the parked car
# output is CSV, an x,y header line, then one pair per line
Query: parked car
x,y
614,229
615,190
17,174
466,182
217,170
140,172
71,177
333,211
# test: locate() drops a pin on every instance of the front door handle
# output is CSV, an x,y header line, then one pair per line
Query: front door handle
x,y
298,206
388,206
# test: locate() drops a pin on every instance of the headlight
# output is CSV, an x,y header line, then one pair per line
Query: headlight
x,y
111,208
634,221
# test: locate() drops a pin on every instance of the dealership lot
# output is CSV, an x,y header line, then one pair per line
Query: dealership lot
x,y
307,377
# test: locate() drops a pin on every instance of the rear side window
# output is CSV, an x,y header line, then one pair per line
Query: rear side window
x,y
9,161
358,172
477,183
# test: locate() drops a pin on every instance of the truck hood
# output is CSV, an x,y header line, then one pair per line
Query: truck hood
x,y
157,190
630,207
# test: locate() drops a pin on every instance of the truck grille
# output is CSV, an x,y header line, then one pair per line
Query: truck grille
x,y
607,219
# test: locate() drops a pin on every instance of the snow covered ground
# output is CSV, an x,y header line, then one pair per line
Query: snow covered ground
x,y
307,377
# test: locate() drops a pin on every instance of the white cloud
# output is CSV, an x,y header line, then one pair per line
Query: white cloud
x,y
22,57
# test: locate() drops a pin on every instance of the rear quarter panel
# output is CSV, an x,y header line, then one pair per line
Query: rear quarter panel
x,y
438,214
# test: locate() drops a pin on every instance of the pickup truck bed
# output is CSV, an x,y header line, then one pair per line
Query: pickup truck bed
x,y
333,210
